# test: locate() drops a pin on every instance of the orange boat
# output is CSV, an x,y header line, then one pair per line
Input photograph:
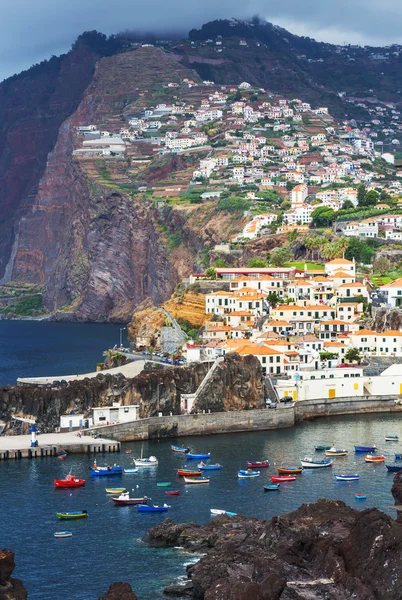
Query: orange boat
x,y
290,471
188,473
374,459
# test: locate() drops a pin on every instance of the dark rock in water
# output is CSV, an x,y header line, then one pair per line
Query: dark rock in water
x,y
10,588
396,491
119,591
325,550
180,591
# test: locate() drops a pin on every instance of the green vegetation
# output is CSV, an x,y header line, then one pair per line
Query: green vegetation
x,y
323,216
279,257
362,250
30,306
255,263
174,240
233,204
311,266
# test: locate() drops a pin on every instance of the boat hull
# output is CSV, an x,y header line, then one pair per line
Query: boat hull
x,y
322,448
173,493
146,508
184,473
72,515
68,483
365,448
282,478
395,468
179,450
258,465
315,465
289,471
163,484
374,459
272,488
115,490
130,471
209,467
130,501
106,471
195,481
392,438
347,477
62,534
190,456
329,453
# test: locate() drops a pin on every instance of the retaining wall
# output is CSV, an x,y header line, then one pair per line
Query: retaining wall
x,y
306,409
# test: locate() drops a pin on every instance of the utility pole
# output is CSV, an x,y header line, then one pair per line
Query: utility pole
x,y
121,336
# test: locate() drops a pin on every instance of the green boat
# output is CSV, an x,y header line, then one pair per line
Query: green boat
x,y
79,514
163,483
322,448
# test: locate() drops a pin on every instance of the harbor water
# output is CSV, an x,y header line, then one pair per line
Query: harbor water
x,y
108,546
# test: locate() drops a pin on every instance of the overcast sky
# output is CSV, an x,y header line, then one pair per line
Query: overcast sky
x,y
31,30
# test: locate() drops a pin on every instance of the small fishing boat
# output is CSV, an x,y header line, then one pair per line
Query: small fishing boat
x,y
263,464
179,449
115,490
290,470
62,534
163,483
247,474
336,452
365,448
391,438
190,456
309,463
70,481
130,471
172,493
79,514
62,456
217,511
374,459
203,467
395,468
152,508
272,488
321,448
360,496
282,478
152,461
128,451
188,473
398,456
196,480
125,500
347,477
106,471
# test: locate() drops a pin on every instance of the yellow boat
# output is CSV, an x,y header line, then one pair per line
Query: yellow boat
x,y
335,452
195,481
115,490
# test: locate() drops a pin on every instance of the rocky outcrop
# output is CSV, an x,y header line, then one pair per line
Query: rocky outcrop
x,y
322,550
396,491
10,588
385,319
119,591
236,386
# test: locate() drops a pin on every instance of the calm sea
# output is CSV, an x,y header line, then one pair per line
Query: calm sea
x,y
38,348
107,546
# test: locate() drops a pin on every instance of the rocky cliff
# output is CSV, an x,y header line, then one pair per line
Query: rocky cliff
x,y
10,588
236,385
385,319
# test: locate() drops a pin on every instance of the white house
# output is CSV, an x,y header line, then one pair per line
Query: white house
x,y
72,422
393,293
340,264
105,415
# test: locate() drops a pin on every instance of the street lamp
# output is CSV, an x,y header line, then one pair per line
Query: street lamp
x,y
121,331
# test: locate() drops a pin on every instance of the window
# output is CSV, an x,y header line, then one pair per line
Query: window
x,y
264,359
126,409
331,376
322,376
313,377
394,340
271,359
278,359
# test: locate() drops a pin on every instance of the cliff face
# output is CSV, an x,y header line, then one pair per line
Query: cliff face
x,y
10,588
385,319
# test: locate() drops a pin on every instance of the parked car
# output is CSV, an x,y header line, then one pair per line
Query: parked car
x,y
286,399
271,404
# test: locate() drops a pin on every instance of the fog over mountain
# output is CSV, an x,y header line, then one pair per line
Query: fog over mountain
x,y
31,31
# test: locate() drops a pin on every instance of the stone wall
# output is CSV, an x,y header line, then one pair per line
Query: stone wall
x,y
324,407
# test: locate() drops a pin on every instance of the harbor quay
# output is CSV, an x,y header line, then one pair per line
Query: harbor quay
x,y
52,444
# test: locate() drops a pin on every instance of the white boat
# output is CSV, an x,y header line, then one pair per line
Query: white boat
x,y
152,461
309,463
217,511
129,471
62,534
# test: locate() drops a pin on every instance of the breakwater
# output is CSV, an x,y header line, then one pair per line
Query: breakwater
x,y
247,420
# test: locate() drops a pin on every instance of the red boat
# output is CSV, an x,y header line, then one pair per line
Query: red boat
x,y
173,493
69,482
188,473
258,465
282,478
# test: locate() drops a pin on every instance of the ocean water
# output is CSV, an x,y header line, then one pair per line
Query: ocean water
x,y
39,348
108,546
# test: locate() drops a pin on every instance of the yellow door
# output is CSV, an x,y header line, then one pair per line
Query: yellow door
x,y
295,395
331,393
400,388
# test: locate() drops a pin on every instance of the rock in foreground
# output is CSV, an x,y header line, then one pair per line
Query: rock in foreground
x,y
324,550
119,591
10,588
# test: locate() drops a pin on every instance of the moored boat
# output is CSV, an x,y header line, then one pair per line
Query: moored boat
x,y
128,451
282,478
79,514
309,463
247,474
188,473
395,468
163,483
62,456
398,456
336,452
374,459
218,511
179,449
191,456
321,448
391,438
173,493
360,496
130,471
263,464
365,448
196,480
62,534
347,477
69,481
105,471
152,508
290,470
125,500
151,461
204,467
272,488
119,490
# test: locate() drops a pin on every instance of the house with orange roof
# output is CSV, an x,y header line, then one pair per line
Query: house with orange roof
x,y
272,361
340,277
340,264
329,330
389,343
265,284
393,293
365,340
351,290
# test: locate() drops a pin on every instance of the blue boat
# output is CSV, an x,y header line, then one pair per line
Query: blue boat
x,y
203,467
365,448
247,474
271,488
152,508
179,449
360,496
347,477
391,438
394,467
398,456
191,456
106,471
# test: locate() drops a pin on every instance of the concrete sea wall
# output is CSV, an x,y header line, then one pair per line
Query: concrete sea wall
x,y
307,409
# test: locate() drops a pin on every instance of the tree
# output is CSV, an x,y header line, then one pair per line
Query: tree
x,y
328,355
274,299
210,273
280,256
359,250
382,265
221,263
255,263
353,355
323,216
361,195
347,205
372,198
